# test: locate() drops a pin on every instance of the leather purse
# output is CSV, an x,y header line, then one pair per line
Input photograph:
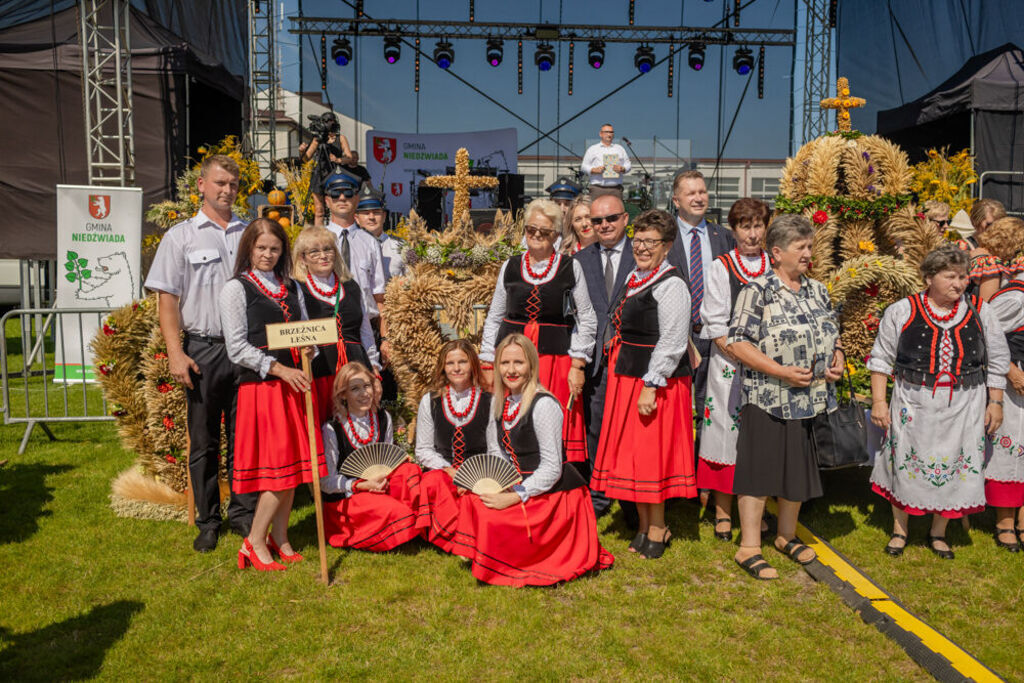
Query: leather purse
x,y
841,437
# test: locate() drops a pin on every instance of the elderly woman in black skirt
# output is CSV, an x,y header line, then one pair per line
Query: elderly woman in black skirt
x,y
785,335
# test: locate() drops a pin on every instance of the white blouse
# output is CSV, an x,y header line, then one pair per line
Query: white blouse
x,y
582,338
335,482
673,299
365,331
547,424
426,456
716,308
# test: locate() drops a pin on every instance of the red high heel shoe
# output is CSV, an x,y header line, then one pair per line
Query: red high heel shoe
x,y
247,556
285,557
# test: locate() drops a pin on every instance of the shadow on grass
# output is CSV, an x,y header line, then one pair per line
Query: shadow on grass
x,y
25,495
72,649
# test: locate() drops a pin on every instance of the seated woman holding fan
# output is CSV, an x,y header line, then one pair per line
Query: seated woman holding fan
x,y
331,292
541,531
370,485
451,425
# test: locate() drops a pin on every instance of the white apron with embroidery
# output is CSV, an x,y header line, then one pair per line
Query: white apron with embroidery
x,y
1006,462
721,410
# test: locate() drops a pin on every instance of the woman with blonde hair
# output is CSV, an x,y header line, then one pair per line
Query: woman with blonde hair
x,y
998,245
578,232
331,292
541,531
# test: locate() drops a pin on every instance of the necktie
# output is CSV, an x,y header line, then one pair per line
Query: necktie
x,y
609,273
696,276
345,249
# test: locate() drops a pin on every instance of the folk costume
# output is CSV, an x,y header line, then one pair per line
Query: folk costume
x,y
271,442
343,301
551,536
720,413
363,519
450,427
933,455
648,459
549,303
1004,472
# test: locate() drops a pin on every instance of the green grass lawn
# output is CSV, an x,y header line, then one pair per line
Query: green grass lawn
x,y
85,593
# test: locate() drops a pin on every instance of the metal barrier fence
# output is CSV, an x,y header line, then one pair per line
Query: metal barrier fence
x,y
33,391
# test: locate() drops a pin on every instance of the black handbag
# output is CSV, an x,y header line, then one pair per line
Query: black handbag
x,y
841,437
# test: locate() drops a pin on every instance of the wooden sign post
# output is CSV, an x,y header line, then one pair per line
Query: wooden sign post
x,y
295,335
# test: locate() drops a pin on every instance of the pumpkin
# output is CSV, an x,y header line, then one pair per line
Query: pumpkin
x,y
277,197
273,215
285,222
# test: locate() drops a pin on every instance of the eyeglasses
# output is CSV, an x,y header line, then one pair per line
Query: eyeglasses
x,y
943,223
610,218
607,131
534,231
646,243
317,253
346,192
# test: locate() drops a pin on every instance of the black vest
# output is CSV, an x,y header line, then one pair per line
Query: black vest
x,y
555,326
345,447
1014,338
636,321
525,453
919,350
260,311
349,321
474,432
736,278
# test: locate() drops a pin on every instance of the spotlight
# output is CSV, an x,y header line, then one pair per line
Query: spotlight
x,y
595,53
444,55
696,56
341,51
494,51
392,49
644,59
544,57
743,61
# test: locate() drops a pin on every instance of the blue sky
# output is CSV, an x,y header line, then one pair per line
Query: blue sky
x,y
385,96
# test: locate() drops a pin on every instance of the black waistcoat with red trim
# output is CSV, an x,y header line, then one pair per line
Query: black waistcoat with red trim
x,y
555,327
638,328
349,321
474,432
736,278
919,349
345,447
260,311
1014,338
526,451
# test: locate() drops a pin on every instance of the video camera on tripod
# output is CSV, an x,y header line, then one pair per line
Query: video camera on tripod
x,y
324,125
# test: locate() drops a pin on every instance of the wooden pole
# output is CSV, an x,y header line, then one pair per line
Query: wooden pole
x,y
315,471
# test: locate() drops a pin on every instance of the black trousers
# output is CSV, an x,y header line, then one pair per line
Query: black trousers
x,y
388,384
211,399
593,395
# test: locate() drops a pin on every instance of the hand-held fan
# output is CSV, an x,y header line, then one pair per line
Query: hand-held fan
x,y
373,461
486,474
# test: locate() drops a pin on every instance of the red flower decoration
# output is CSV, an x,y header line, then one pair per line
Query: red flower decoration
x,y
871,290
159,355
119,413
108,330
171,459
871,322
104,369
164,387
168,423
920,216
819,217
707,412
1006,442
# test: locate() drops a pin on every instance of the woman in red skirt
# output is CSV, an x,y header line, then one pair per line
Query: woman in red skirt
x,y
451,425
330,292
543,295
271,442
645,453
368,514
543,530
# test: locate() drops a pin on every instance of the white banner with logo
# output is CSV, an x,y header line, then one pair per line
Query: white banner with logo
x,y
399,161
99,243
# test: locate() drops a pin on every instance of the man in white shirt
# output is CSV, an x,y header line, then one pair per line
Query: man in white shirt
x,y
371,214
194,260
606,162
359,250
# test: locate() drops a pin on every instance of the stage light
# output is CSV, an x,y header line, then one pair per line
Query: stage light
x,y
696,56
743,61
392,49
444,55
644,59
341,51
595,53
544,57
494,51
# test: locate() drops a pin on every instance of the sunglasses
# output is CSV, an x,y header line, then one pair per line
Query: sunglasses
x,y
610,218
348,193
943,223
534,231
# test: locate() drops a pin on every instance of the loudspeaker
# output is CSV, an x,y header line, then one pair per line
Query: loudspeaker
x,y
429,207
511,188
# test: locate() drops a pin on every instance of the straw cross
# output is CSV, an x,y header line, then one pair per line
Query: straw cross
x,y
842,103
462,182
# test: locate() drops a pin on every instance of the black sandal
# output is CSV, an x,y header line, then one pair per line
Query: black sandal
x,y
944,554
723,535
638,543
755,566
1012,547
895,550
653,550
794,548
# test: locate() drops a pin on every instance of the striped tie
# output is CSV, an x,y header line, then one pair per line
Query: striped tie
x,y
696,276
